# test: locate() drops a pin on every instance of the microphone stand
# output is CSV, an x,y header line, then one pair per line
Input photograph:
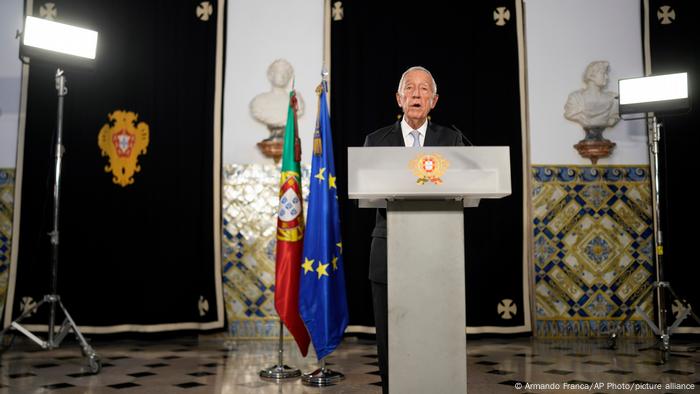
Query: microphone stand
x,y
464,137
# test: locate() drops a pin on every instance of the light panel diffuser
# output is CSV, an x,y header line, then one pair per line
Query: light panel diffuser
x,y
654,93
60,38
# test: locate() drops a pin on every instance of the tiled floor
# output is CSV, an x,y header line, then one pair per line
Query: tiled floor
x,y
218,364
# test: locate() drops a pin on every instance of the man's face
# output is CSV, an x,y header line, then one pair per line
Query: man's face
x,y
417,97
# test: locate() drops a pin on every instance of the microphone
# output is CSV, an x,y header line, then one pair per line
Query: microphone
x,y
464,137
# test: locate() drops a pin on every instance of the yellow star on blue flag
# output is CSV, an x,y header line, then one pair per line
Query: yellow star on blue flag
x,y
322,301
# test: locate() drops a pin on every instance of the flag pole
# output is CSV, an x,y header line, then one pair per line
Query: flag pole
x,y
290,231
322,376
280,371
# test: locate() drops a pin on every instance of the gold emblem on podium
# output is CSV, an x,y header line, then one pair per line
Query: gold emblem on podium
x,y
429,168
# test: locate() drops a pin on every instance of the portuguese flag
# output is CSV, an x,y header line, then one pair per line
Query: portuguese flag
x,y
290,233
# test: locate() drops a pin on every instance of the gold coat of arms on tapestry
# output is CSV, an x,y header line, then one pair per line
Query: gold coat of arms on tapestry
x,y
123,141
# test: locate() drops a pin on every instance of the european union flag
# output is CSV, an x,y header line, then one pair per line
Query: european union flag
x,y
322,302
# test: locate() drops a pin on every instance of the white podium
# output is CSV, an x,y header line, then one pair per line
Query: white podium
x,y
425,191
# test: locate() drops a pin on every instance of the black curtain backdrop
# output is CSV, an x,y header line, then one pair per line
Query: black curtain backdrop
x,y
674,48
475,64
141,256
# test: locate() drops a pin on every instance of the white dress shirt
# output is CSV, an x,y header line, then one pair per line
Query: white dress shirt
x,y
406,131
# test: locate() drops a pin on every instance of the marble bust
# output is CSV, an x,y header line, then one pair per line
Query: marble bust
x,y
593,107
270,108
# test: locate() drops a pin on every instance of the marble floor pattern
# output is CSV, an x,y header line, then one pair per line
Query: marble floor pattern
x,y
216,363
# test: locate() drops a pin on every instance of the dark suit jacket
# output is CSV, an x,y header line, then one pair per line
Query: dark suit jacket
x,y
391,136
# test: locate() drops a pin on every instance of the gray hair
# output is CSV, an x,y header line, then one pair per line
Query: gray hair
x,y
414,68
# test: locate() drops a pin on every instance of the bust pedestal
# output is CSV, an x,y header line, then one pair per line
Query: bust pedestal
x,y
594,146
271,148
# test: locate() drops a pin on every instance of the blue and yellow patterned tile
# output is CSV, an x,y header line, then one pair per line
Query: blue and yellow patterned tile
x,y
250,203
592,234
7,187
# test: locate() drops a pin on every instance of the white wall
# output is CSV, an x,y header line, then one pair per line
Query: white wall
x,y
260,31
10,76
563,37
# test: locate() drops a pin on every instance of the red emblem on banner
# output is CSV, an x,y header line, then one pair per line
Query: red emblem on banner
x,y
123,143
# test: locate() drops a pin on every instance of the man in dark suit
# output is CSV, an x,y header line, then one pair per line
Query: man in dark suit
x,y
417,96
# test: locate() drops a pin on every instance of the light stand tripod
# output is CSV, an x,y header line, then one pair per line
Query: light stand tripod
x,y
663,331
55,338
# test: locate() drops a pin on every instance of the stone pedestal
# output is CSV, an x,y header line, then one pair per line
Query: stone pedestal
x,y
594,146
272,148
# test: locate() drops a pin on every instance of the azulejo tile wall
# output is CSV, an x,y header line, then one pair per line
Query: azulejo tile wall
x,y
592,245
592,234
7,187
250,200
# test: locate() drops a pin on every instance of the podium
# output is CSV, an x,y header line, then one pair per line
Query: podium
x,y
425,191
